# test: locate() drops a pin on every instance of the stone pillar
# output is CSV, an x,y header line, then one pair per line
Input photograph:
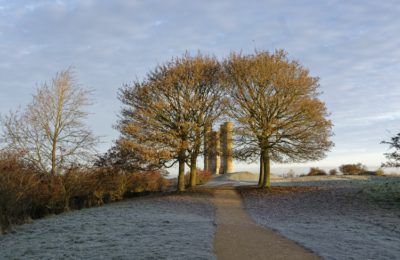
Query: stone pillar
x,y
226,132
207,147
215,161
229,147
222,145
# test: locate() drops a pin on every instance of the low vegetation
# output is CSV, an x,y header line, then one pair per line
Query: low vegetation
x,y
26,194
202,177
352,169
333,172
316,172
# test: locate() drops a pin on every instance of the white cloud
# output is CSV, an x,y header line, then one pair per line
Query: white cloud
x,y
352,46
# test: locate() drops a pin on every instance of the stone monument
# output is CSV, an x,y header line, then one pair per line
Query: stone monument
x,y
218,149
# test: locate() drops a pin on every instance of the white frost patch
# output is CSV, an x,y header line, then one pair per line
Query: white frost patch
x,y
336,223
171,227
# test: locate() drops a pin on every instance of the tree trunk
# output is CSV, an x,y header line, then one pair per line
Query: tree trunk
x,y
193,171
267,169
54,156
181,174
261,177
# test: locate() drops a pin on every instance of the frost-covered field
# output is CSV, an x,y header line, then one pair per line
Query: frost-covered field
x,y
337,221
167,227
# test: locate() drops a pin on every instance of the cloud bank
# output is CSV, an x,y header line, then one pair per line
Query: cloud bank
x,y
351,46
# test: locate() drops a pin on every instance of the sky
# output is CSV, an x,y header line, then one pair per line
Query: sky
x,y
352,46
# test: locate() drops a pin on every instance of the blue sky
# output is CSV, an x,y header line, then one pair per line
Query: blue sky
x,y
353,46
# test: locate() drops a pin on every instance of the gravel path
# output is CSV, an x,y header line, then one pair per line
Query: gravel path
x,y
336,223
167,227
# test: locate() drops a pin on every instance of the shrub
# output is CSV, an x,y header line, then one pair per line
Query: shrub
x,y
146,182
316,172
202,177
380,172
352,169
18,190
333,172
25,194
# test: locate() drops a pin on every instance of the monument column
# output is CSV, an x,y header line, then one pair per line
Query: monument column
x,y
215,152
229,147
207,148
226,132
222,138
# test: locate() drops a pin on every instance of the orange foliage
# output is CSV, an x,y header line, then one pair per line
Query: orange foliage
x,y
202,176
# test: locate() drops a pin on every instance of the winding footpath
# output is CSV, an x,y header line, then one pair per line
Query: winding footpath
x,y
239,237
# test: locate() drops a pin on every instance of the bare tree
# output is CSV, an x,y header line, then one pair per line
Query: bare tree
x,y
393,157
50,133
164,116
277,111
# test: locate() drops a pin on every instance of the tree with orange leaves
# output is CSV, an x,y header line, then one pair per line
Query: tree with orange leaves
x,y
165,115
278,114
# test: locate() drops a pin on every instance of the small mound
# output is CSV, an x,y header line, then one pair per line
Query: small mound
x,y
242,176
247,176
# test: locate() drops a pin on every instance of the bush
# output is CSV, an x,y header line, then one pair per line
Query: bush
x,y
146,182
202,177
18,189
352,169
25,194
333,172
380,172
316,172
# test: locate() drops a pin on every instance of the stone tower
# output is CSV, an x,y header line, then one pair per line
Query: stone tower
x,y
226,132
218,149
207,147
215,153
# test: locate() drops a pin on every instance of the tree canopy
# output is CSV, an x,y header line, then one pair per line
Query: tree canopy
x,y
51,133
164,116
275,104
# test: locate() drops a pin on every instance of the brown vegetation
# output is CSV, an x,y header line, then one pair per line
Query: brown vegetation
x,y
202,177
352,169
316,172
26,194
333,172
